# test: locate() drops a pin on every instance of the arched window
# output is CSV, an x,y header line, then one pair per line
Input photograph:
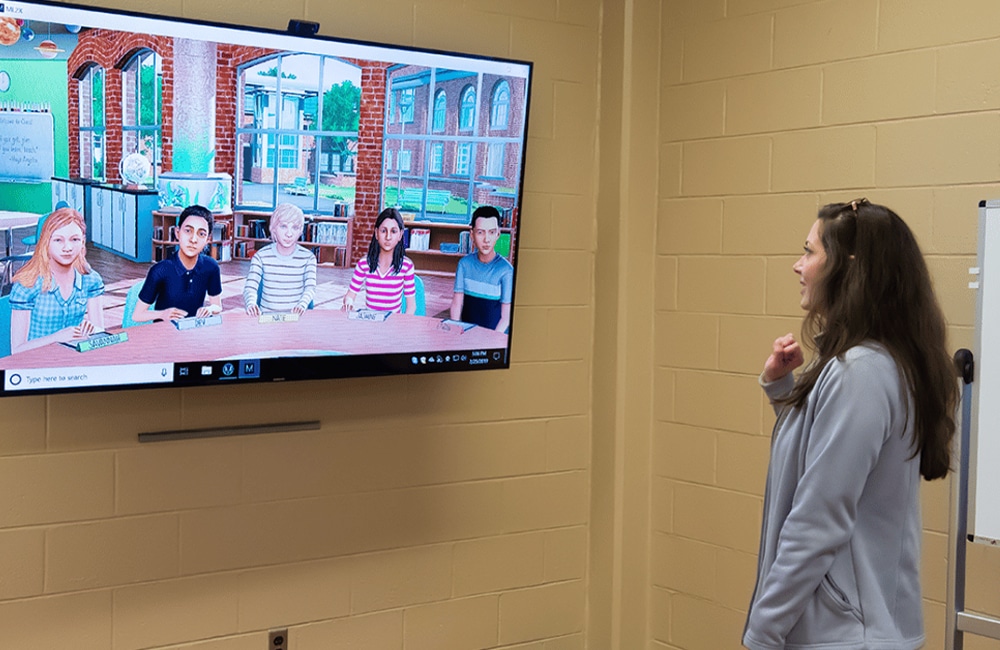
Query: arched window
x,y
92,138
437,158
495,152
440,102
463,159
298,132
406,105
500,106
467,111
142,114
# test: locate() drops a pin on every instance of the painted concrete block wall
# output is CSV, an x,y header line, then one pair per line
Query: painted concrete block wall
x,y
439,512
770,109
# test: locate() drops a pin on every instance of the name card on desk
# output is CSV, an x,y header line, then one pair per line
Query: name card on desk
x,y
449,325
369,315
278,317
193,322
96,341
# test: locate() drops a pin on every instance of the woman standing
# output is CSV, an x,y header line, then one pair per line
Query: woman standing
x,y
872,413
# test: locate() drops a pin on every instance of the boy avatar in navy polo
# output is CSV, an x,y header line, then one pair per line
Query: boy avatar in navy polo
x,y
177,286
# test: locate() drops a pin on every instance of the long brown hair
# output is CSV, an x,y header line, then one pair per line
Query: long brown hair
x,y
374,248
38,265
874,286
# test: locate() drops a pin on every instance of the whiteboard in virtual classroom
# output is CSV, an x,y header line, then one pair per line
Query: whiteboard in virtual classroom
x,y
26,147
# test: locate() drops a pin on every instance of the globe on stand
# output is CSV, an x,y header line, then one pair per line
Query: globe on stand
x,y
134,169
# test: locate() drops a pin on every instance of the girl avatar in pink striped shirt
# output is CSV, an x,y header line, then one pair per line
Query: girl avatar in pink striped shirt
x,y
385,274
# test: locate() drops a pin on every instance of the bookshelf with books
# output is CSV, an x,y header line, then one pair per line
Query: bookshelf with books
x,y
220,246
329,237
435,248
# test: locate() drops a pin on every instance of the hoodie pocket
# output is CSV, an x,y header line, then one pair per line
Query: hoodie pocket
x,y
829,617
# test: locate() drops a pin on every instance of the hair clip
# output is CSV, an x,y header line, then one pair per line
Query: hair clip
x,y
856,202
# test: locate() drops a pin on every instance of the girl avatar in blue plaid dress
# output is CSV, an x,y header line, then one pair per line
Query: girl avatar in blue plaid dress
x,y
56,296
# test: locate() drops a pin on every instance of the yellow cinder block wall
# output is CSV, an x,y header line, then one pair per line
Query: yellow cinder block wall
x,y
604,493
439,512
770,109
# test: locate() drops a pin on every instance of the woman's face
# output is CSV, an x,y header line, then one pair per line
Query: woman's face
x,y
810,265
65,245
388,235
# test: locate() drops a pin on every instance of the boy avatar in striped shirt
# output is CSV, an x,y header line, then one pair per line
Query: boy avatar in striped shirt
x,y
282,275
385,274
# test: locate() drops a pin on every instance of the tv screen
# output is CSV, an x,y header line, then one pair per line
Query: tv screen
x,y
188,203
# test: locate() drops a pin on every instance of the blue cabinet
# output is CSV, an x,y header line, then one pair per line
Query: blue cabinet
x,y
74,192
121,220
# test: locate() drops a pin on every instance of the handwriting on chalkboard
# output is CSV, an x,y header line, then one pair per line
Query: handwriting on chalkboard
x,y
26,147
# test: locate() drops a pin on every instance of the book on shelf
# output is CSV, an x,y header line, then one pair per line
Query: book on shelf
x,y
325,232
212,250
420,239
332,233
258,228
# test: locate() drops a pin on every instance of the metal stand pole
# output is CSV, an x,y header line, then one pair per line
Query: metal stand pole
x,y
959,508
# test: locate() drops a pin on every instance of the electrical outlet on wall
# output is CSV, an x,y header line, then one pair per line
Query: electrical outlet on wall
x,y
277,639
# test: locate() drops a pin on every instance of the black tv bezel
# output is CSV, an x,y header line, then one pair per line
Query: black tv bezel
x,y
309,368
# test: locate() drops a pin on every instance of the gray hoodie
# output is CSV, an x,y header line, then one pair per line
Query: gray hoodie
x,y
839,555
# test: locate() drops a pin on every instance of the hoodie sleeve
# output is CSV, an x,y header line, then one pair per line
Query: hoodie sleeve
x,y
777,389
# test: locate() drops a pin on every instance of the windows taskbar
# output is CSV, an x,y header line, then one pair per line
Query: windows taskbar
x,y
320,365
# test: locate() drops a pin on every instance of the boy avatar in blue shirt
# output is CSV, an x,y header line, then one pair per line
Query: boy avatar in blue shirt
x,y
484,279
178,285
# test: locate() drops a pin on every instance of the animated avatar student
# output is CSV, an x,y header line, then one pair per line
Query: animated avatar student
x,y
282,275
177,286
56,296
484,279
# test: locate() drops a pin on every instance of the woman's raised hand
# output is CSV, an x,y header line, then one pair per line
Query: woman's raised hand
x,y
786,356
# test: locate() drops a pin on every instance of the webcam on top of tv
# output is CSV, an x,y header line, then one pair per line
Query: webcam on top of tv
x,y
302,28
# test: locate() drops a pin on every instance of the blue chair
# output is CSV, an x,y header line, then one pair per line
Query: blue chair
x,y
32,240
4,326
131,300
420,298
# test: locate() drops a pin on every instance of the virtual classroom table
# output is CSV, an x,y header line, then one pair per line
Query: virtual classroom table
x,y
318,331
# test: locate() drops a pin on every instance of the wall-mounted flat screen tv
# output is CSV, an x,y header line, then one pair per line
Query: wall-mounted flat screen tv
x,y
187,203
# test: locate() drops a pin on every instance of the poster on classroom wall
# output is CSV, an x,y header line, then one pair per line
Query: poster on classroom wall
x,y
26,146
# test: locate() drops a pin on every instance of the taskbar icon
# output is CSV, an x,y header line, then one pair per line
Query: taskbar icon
x,y
207,371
